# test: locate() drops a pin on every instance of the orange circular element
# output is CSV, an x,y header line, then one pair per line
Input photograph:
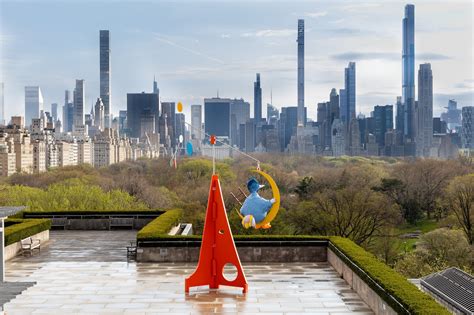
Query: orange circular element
x,y
180,107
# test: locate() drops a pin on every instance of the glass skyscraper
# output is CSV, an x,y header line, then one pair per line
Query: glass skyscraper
x,y
257,99
33,103
79,98
300,41
104,43
348,95
408,71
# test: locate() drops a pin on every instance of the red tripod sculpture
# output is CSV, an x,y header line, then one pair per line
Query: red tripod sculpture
x,y
217,247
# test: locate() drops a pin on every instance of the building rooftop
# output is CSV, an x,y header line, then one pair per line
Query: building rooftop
x,y
86,271
8,211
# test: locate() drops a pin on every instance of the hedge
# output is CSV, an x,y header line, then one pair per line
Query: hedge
x,y
414,301
24,228
91,212
161,225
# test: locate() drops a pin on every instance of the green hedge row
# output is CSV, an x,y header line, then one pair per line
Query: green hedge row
x,y
24,228
92,212
160,226
414,301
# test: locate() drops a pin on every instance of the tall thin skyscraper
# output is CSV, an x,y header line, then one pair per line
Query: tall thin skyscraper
x,y
156,90
408,71
2,103
33,103
54,111
348,96
257,99
425,109
196,122
105,68
79,98
99,114
300,41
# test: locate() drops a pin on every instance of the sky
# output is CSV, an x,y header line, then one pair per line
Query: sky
x,y
197,49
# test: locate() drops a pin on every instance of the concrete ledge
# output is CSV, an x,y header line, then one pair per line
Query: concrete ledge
x,y
369,296
14,249
246,254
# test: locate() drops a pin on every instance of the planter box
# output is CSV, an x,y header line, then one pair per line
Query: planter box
x,y
14,249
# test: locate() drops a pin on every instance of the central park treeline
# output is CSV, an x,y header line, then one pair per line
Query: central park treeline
x,y
415,215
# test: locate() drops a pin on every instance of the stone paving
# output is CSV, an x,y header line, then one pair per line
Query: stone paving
x,y
92,281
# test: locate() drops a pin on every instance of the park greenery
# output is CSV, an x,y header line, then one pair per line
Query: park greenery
x,y
392,207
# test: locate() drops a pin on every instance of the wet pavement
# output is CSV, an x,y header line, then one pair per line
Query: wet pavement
x,y
88,273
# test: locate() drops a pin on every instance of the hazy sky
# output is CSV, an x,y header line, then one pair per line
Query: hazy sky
x,y
198,47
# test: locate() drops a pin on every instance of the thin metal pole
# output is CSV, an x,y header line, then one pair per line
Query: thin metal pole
x,y
2,251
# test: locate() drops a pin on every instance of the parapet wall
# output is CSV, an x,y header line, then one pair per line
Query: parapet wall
x,y
14,249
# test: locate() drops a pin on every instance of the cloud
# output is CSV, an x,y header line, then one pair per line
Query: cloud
x,y
316,14
432,56
270,33
165,40
225,35
360,6
353,55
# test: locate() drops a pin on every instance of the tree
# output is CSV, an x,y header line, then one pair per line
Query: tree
x,y
460,200
436,251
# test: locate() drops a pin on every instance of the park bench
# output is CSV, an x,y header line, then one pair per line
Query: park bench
x,y
121,223
29,244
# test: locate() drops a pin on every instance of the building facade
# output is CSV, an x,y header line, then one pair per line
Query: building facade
x,y
105,73
33,103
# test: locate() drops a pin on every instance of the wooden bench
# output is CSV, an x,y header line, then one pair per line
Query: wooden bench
x,y
29,244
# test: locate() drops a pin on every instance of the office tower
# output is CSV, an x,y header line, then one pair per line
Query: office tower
x,y
2,103
141,106
180,126
196,122
333,105
168,109
156,90
383,116
300,41
400,116
239,114
338,143
273,115
68,112
467,130
99,115
79,98
452,116
348,95
288,124
217,116
54,111
408,71
33,103
250,135
105,91
425,109
257,99
123,122
439,126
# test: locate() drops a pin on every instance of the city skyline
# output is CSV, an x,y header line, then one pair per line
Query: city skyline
x,y
210,65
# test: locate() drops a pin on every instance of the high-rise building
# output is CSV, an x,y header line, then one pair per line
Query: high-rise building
x,y
99,115
105,91
288,124
33,103
141,106
54,111
2,103
408,71
217,116
467,130
273,115
400,116
180,126
68,112
196,122
383,116
257,99
425,110
79,98
156,90
168,109
239,114
348,100
300,41
452,116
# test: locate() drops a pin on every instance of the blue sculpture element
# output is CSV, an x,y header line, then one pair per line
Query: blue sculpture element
x,y
255,205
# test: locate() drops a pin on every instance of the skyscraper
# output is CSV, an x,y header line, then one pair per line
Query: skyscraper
x,y
425,109
68,112
300,41
2,104
104,42
257,99
239,114
408,71
156,90
99,114
217,116
467,130
141,106
33,103
348,100
54,111
196,122
168,109
79,98
383,116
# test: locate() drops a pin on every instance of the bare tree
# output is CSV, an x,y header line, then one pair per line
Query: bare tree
x,y
460,197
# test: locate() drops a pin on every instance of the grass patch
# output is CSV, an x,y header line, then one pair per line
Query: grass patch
x,y
19,229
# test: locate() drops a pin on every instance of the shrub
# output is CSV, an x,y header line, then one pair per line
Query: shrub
x,y
161,225
24,228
